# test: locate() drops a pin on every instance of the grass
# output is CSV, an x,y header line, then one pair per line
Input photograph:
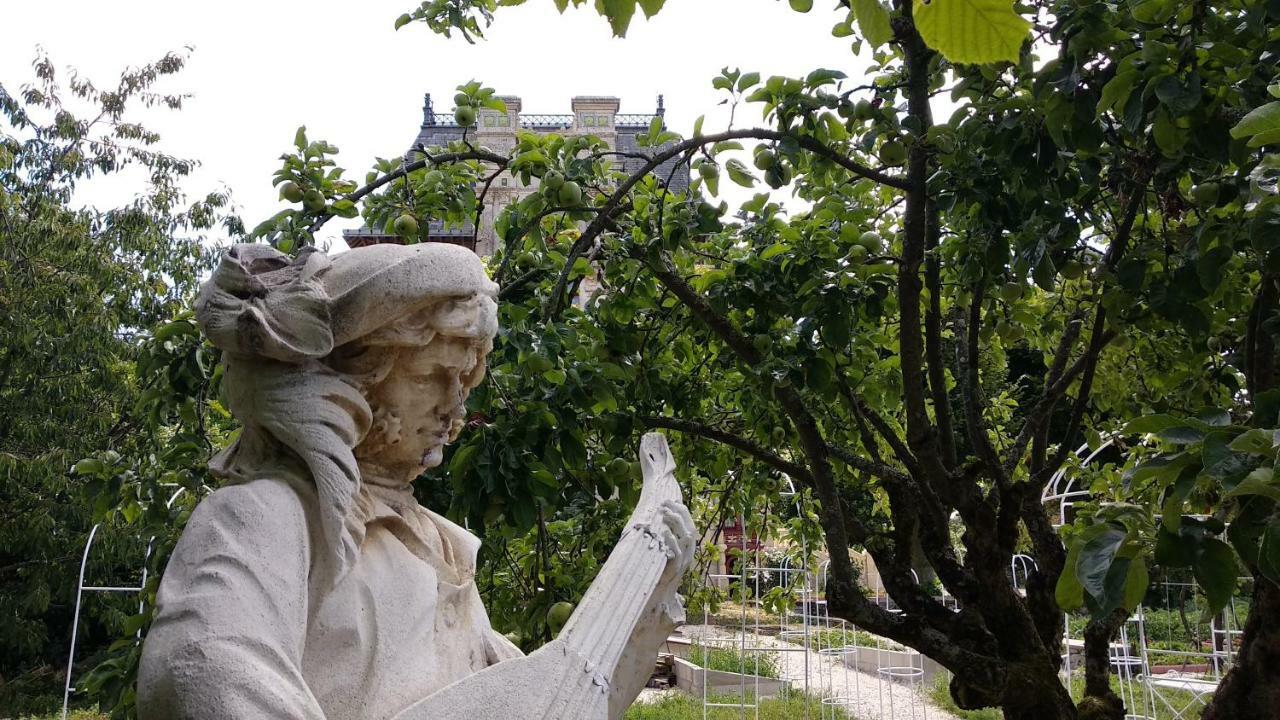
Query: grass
x,y
682,706
941,697
820,639
764,664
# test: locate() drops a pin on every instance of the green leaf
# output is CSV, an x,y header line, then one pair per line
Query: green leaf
x,y
1096,557
747,80
89,466
655,129
1069,593
873,21
1259,482
972,31
1176,495
1135,584
739,173
403,20
1262,124
1216,572
823,76
774,250
1169,137
300,138
651,7
1117,90
1154,12
1255,442
1181,435
545,477
619,13
460,464
1179,96
1175,549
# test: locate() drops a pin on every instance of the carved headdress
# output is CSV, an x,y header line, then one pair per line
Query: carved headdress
x,y
276,318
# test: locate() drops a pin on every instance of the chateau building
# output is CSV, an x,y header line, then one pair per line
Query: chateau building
x,y
591,115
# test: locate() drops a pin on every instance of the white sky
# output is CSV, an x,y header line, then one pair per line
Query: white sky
x,y
262,68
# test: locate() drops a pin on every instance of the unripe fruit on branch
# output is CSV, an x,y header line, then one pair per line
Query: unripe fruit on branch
x,y
406,226
570,194
290,191
313,200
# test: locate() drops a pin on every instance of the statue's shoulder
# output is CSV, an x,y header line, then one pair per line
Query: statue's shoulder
x,y
265,507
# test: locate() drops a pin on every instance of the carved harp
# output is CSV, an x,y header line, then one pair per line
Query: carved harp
x,y
605,652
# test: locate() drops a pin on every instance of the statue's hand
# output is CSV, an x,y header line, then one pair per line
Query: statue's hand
x,y
679,538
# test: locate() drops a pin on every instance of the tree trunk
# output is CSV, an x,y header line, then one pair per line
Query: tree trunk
x,y
1032,692
1100,701
1251,689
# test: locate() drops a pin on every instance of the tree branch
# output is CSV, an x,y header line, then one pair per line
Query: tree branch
x,y
555,301
724,437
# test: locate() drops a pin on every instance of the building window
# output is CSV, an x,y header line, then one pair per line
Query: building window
x,y
504,120
589,120
504,182
490,121
604,121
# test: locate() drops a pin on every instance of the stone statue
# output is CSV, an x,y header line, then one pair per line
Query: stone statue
x,y
313,585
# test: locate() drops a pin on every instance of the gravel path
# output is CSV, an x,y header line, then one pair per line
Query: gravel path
x,y
864,696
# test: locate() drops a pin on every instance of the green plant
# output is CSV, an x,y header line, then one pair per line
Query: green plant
x,y
681,706
731,659
79,286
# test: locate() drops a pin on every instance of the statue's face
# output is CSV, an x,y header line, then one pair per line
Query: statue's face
x,y
422,398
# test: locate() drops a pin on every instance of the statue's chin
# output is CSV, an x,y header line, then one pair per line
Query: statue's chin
x,y
433,456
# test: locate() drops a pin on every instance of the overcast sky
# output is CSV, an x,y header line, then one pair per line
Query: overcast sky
x,y
261,68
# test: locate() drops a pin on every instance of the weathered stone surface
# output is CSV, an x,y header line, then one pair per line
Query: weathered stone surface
x,y
314,585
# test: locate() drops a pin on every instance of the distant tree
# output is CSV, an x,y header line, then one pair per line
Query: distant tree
x,y
78,286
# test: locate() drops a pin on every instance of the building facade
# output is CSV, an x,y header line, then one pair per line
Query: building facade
x,y
591,115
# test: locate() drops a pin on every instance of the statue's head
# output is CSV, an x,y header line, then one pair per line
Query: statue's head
x,y
347,369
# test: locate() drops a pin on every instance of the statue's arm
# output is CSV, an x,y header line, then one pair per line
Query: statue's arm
x,y
231,615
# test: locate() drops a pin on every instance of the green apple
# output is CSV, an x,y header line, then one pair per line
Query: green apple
x,y
558,615
313,200
570,194
290,191
406,226
1206,195
893,153
872,242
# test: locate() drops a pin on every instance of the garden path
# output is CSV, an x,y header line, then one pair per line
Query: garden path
x,y
863,695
